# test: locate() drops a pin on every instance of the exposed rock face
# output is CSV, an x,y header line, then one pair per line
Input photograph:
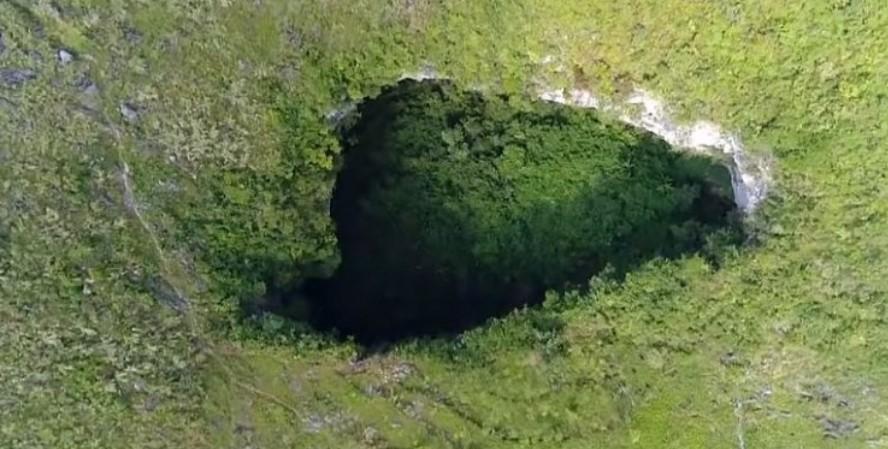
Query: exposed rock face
x,y
129,112
65,57
15,78
750,174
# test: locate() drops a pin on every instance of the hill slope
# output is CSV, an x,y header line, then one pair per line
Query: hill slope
x,y
162,160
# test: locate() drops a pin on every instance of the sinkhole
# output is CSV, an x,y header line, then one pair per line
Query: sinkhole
x,y
452,207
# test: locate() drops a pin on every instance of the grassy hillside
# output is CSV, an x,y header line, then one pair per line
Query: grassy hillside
x,y
162,162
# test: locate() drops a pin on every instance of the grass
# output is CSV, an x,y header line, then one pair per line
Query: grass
x,y
780,347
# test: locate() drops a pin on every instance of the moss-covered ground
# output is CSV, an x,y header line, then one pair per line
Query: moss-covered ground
x,y
181,161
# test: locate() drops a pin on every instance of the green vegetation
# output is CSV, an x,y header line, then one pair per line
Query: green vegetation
x,y
452,207
182,163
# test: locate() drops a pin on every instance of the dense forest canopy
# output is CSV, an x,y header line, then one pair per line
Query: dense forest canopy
x,y
453,206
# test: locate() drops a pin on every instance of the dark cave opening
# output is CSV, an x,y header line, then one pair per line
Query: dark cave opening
x,y
452,207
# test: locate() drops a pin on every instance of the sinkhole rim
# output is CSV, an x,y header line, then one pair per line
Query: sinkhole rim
x,y
307,294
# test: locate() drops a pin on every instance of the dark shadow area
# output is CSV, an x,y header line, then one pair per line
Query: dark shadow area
x,y
452,208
